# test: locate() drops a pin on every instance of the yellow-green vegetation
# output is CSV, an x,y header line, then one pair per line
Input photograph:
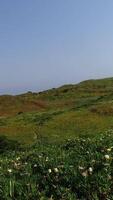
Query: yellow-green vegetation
x,y
84,108
58,144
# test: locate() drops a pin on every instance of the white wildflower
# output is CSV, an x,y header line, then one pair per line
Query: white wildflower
x,y
35,165
109,149
49,170
56,170
107,157
90,170
9,170
47,159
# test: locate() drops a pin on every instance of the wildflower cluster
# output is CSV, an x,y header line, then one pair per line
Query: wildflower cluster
x,y
78,169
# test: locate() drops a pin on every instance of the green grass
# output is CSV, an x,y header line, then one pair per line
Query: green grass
x,y
58,144
80,168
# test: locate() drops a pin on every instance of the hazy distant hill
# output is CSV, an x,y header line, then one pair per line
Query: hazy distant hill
x,y
60,112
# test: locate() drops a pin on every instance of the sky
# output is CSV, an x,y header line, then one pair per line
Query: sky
x,y
48,43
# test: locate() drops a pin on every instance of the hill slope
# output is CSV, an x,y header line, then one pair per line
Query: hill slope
x,y
59,113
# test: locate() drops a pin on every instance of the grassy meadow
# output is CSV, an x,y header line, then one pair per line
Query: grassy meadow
x,y
58,144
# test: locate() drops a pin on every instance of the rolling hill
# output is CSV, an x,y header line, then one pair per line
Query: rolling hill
x,y
58,113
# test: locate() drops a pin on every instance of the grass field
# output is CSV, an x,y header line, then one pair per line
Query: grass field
x,y
85,108
59,143
79,168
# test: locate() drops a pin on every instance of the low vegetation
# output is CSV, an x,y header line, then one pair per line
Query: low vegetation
x,y
79,168
58,144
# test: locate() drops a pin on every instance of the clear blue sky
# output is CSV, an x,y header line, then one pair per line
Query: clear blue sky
x,y
47,43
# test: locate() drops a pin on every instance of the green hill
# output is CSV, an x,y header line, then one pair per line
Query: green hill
x,y
68,143
58,113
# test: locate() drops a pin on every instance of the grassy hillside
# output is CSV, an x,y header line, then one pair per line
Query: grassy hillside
x,y
68,134
59,113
